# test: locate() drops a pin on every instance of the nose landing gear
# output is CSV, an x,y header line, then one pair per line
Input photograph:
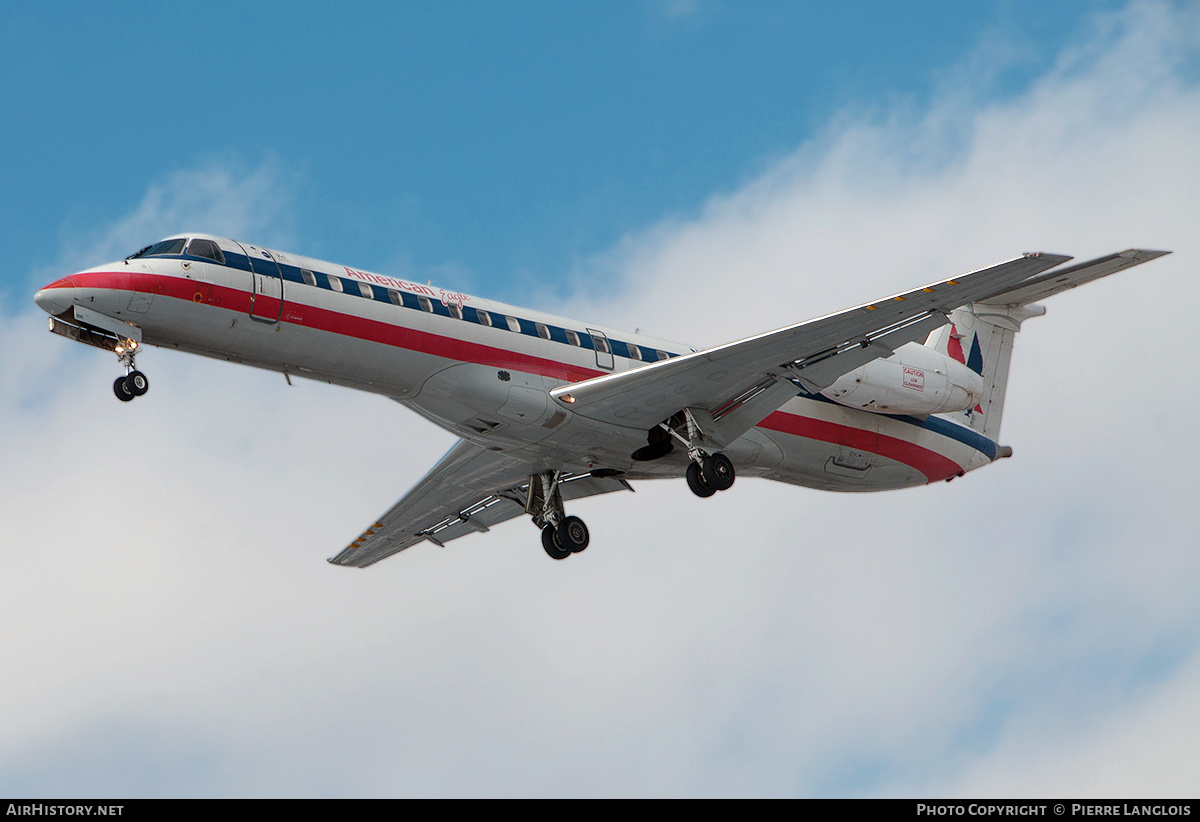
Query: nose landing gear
x,y
134,383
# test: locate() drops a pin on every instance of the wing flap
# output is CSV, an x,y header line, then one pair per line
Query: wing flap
x,y
477,518
461,482
819,351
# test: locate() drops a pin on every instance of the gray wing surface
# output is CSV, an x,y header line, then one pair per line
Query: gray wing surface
x,y
740,383
734,386
470,489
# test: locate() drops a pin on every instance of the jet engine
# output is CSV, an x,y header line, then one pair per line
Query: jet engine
x,y
914,380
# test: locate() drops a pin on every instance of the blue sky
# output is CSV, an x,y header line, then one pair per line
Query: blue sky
x,y
499,141
700,170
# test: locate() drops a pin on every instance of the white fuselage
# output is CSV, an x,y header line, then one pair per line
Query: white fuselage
x,y
482,369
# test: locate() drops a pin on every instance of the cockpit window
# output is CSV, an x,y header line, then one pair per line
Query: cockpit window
x,y
206,248
162,249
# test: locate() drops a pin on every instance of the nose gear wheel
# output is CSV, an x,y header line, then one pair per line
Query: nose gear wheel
x,y
134,383
121,389
137,382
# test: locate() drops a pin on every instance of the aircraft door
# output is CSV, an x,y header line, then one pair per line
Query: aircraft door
x,y
266,297
604,354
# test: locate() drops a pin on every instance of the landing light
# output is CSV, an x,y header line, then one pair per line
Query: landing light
x,y
568,399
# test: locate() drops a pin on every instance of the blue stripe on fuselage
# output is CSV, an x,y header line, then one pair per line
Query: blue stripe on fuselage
x,y
291,273
275,268
937,425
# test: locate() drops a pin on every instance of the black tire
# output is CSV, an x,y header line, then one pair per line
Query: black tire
x,y
550,543
573,534
121,389
718,471
137,382
697,483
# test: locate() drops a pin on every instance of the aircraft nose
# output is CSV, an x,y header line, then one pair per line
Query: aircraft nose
x,y
57,297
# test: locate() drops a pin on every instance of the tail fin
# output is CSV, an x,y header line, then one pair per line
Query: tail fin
x,y
981,337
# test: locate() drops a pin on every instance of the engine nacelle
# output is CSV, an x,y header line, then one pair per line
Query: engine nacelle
x,y
914,380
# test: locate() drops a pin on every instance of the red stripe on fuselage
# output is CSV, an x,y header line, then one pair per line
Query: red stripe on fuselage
x,y
336,322
930,463
65,282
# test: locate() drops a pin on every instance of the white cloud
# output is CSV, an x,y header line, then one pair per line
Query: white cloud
x,y
221,196
174,630
1069,559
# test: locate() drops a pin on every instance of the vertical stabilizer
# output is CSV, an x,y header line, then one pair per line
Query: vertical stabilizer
x,y
981,337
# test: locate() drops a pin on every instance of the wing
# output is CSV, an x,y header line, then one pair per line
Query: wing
x,y
469,490
1052,282
737,384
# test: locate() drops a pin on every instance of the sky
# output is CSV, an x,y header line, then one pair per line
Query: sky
x,y
701,171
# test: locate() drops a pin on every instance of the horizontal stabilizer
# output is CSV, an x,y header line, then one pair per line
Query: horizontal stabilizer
x,y
1060,279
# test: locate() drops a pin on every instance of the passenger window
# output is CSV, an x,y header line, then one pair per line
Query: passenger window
x,y
543,331
514,324
572,337
455,311
308,276
484,317
601,344
335,283
634,351
425,304
395,297
366,290
663,355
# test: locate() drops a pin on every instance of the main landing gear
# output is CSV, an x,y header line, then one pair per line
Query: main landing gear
x,y
561,535
134,383
706,473
570,536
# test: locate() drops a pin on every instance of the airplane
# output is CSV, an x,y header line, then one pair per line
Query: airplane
x,y
902,391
